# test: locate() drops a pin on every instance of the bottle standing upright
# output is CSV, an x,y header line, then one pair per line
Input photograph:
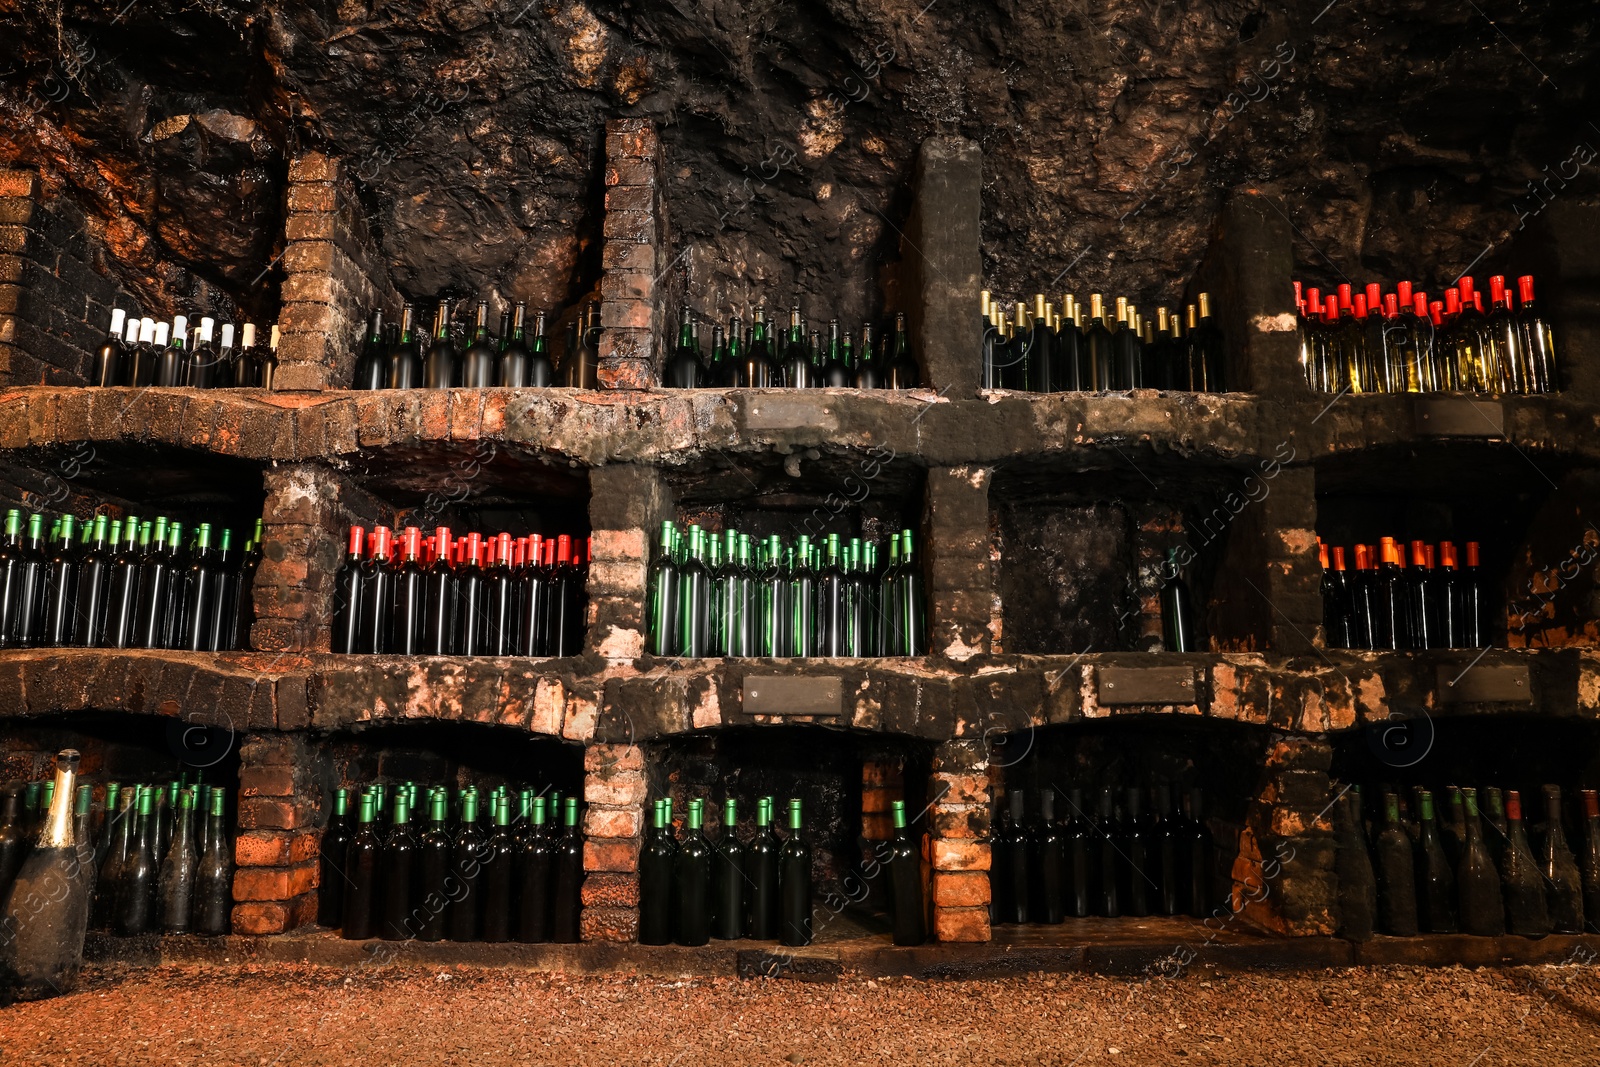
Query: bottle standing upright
x,y
46,911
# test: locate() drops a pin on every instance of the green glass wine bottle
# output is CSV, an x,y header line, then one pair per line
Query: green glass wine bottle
x,y
761,875
1521,882
728,877
1436,879
692,882
657,864
567,896
45,916
1477,881
362,860
794,883
1563,882
178,871
1396,873
905,877
533,877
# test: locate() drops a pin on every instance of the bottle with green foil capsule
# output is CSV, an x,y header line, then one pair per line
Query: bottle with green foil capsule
x,y
177,587
533,876
692,877
136,889
178,871
727,877
835,373
657,869
399,873
512,364
694,599
403,369
802,601
46,912
1562,880
773,590
910,607
362,867
794,884
1521,882
331,861
11,568
567,860
902,371
831,633
83,840
1396,874
150,620
716,635
94,578
463,916
223,632
1496,832
1477,881
121,825
61,585
200,594
858,606
905,878
498,875
683,369
435,847
29,597
663,585
122,598
1436,879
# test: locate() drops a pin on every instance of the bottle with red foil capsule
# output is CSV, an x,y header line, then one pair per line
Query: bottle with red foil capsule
x,y
347,596
1470,606
474,614
1472,341
501,600
1503,339
1449,578
439,598
1381,364
1351,341
1314,336
1303,330
377,594
564,629
1538,344
1423,594
1363,599
1418,341
1327,353
1389,595
410,595
531,605
1336,606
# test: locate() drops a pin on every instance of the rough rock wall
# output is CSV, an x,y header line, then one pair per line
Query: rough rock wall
x,y
1402,135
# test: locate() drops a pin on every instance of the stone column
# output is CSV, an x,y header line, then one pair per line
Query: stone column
x,y
959,568
613,831
942,263
1247,271
334,276
959,832
1268,593
275,881
1283,878
633,259
627,504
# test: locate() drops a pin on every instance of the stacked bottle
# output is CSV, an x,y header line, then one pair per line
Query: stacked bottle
x,y
1099,347
144,352
1462,861
763,356
732,595
404,356
502,866
473,595
1131,852
1403,342
123,583
1400,595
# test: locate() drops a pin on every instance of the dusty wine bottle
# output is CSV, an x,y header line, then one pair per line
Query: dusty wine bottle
x,y
46,913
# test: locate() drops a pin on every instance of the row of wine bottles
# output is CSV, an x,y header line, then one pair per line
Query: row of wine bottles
x,y
1435,601
756,357
478,595
1042,351
515,878
123,583
144,352
403,357
1472,871
737,596
1402,342
1119,857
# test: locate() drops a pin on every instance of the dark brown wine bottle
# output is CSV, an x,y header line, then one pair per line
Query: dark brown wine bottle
x,y
1396,874
761,874
794,884
434,849
497,881
46,914
1047,862
1358,889
1591,860
1563,883
1482,909
533,877
1521,883
462,919
905,882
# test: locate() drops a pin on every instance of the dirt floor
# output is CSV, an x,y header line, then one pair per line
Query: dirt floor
x,y
305,1015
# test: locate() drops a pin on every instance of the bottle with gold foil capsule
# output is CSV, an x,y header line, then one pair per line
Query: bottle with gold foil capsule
x,y
1069,348
1123,347
1213,357
46,913
989,372
1017,370
1194,360
1099,348
1041,349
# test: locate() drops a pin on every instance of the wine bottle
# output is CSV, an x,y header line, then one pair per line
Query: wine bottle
x,y
1591,861
266,372
657,870
1521,883
478,361
797,372
474,596
1135,847
399,873
332,861
1482,910
692,882
375,633
1018,857
532,592
178,871
1004,838
1537,341
93,584
61,586
137,880
84,855
1358,891
830,602
106,368
362,862
442,598
567,863
664,586
1498,832
1396,874
170,358
440,370
1047,864
1559,868
466,863
122,815
1177,610
45,915
404,368
1107,859
794,884
904,861
32,586
511,371
533,875
1077,840
13,842
372,363
498,878
1164,851
694,599
761,869
434,882
200,594
410,596
802,600
565,614
728,878
683,368
1435,878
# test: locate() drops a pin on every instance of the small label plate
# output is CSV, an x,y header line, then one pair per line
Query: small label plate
x,y
1459,416
791,695
1147,685
1491,683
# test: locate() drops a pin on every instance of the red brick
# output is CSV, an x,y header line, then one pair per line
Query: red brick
x,y
312,196
315,286
609,924
266,782
261,883
969,889
960,856
962,821
628,285
625,315
629,255
622,789
262,848
882,772
635,227
625,170
261,813
878,799
626,374
631,198
305,847
261,918
877,827
613,822
620,855
603,890
293,377
608,759
19,183
304,317
313,167
961,924
271,751
961,788
309,257
292,571
310,226
621,346
638,143
629,545
302,911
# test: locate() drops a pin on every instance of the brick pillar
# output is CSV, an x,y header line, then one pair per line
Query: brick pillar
x,y
627,504
334,276
309,511
634,257
1246,271
613,830
1267,595
882,783
55,306
275,880
959,845
943,265
960,571
1283,878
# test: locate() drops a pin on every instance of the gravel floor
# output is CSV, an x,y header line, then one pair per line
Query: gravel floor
x,y
288,1015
